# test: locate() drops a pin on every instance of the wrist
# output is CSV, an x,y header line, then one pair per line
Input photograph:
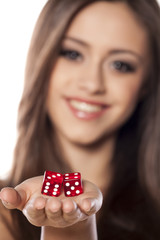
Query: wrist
x,y
86,229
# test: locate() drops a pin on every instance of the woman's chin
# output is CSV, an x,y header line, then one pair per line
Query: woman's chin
x,y
88,140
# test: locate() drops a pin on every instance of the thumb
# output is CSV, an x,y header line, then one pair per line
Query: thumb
x,y
17,197
13,198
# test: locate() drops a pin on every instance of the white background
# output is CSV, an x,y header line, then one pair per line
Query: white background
x,y
17,19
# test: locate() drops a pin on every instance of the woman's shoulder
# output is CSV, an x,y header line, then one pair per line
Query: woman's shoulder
x,y
5,219
5,223
4,213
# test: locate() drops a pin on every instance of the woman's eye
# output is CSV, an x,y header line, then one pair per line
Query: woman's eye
x,y
123,67
70,54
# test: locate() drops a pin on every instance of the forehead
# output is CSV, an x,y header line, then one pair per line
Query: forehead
x,y
109,23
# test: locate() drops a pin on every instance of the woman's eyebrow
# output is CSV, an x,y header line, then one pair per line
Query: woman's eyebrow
x,y
126,51
111,52
81,42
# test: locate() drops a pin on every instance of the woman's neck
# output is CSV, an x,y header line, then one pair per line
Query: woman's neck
x,y
93,162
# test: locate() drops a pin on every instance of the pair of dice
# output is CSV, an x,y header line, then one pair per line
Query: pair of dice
x,y
53,181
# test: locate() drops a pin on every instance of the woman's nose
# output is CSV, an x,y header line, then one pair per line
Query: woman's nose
x,y
91,79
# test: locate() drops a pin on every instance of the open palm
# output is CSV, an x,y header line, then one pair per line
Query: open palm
x,y
60,212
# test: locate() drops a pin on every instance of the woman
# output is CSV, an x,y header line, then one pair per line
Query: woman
x,y
90,104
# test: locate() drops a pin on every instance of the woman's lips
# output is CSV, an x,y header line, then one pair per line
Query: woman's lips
x,y
86,110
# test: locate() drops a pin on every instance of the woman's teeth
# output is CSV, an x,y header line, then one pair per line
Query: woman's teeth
x,y
85,107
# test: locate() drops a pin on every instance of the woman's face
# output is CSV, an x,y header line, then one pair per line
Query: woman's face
x,y
98,77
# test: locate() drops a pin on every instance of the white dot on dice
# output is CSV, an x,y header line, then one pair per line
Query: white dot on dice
x,y
72,188
46,187
58,175
49,177
54,193
76,183
68,192
45,191
48,183
67,184
53,176
76,174
77,191
56,186
66,174
55,189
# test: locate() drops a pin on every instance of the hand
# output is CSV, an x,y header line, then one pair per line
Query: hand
x,y
59,212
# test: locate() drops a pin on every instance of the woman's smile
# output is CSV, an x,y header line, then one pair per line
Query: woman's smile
x,y
85,109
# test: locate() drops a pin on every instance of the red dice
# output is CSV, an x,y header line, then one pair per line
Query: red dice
x,y
72,184
52,183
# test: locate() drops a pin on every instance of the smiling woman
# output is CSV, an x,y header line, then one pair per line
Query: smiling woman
x,y
91,105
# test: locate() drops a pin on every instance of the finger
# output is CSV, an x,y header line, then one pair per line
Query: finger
x,y
40,203
71,212
35,211
18,197
54,211
11,198
89,206
68,206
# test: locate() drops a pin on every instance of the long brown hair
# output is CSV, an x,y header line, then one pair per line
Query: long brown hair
x,y
137,156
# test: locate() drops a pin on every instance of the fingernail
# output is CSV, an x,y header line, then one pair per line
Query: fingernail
x,y
5,202
88,208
